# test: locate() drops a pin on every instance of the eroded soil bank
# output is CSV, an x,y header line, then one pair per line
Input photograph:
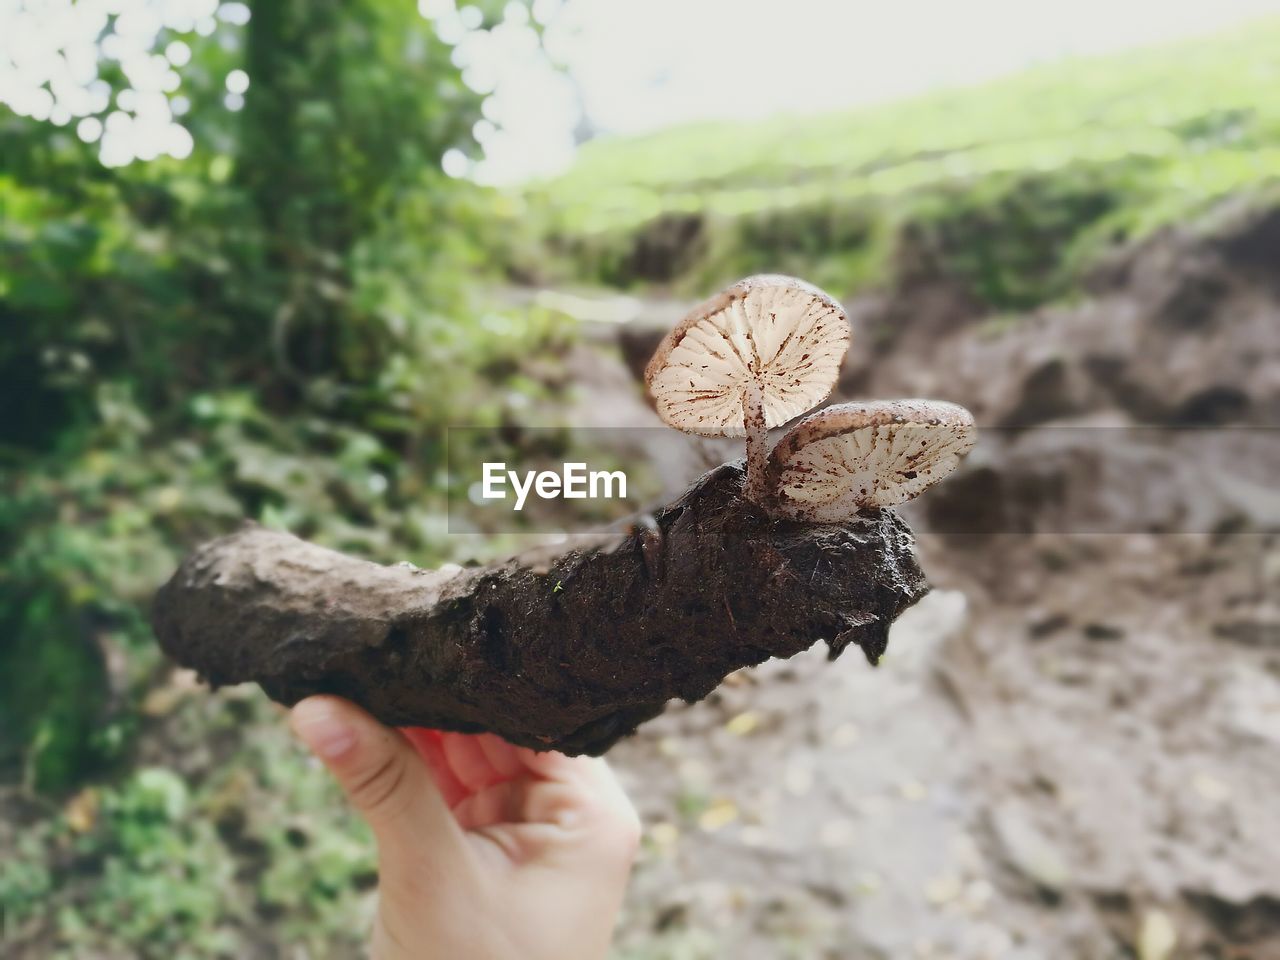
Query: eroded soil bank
x,y
1071,748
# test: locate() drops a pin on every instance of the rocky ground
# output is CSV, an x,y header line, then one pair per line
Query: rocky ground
x,y
1073,746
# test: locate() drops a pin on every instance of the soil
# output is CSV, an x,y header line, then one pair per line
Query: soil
x,y
1072,747
711,584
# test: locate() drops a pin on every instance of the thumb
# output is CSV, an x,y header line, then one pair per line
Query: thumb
x,y
380,771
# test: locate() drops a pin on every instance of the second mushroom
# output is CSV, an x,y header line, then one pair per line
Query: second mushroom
x,y
768,349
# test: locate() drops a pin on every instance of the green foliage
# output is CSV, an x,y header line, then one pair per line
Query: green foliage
x,y
168,863
346,81
1014,187
277,328
152,848
25,881
1013,238
143,876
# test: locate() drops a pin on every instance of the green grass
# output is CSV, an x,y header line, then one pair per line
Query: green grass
x,y
248,841
1014,185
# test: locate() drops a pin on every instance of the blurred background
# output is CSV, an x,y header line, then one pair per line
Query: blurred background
x,y
256,258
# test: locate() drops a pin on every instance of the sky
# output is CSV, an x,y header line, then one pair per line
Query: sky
x,y
604,67
638,65
50,52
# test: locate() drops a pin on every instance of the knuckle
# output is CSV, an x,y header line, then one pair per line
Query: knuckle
x,y
375,789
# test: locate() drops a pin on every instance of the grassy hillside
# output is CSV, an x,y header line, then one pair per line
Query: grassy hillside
x,y
1013,185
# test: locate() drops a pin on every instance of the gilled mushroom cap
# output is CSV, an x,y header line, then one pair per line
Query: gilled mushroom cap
x,y
791,334
873,453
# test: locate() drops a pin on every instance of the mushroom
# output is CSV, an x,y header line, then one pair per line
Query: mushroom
x,y
754,356
873,453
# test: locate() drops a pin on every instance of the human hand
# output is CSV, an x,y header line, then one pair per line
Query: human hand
x,y
485,850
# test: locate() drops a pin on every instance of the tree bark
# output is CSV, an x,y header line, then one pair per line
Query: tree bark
x,y
570,654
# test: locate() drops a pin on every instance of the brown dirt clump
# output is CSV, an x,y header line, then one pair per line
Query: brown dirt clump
x,y
571,655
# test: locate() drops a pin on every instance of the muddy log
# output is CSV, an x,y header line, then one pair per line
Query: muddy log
x,y
569,655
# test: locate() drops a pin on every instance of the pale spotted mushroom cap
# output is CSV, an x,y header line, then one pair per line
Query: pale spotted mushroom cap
x,y
873,453
798,334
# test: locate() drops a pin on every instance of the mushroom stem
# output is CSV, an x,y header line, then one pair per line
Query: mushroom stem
x,y
757,438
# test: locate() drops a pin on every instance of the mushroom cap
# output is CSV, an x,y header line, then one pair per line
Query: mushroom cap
x,y
791,332
872,453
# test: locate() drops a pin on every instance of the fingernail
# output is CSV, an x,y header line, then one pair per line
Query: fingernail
x,y
321,728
